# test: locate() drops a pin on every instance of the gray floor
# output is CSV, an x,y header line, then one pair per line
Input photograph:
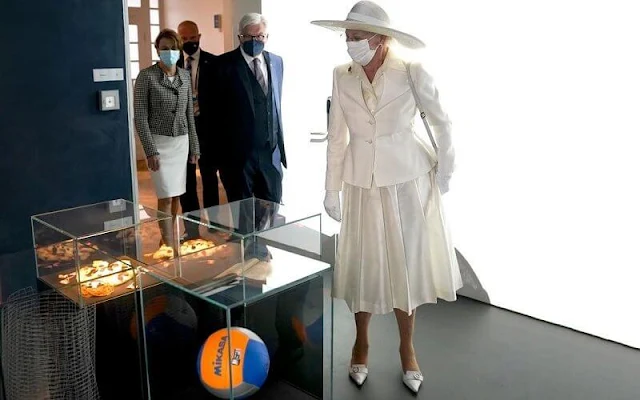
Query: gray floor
x,y
469,350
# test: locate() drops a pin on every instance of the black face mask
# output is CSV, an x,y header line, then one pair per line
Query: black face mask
x,y
191,47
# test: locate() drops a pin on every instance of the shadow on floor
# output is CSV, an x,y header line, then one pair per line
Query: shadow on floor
x,y
472,286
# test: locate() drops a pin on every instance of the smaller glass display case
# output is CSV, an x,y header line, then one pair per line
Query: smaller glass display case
x,y
91,253
248,316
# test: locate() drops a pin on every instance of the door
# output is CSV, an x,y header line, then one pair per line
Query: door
x,y
144,27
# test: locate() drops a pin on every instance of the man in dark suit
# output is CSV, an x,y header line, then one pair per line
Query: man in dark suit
x,y
200,64
248,90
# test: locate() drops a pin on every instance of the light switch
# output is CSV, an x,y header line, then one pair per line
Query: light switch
x,y
109,100
108,74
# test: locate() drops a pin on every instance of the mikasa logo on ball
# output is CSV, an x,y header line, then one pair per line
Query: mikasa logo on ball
x,y
218,365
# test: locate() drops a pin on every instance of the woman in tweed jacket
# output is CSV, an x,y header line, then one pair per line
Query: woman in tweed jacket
x,y
163,110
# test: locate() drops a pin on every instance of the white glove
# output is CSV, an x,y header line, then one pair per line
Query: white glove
x,y
332,204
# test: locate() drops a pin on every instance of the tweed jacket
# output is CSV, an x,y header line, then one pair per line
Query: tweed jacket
x,y
381,146
162,107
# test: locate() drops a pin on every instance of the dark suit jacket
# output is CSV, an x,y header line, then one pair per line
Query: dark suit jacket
x,y
234,105
206,100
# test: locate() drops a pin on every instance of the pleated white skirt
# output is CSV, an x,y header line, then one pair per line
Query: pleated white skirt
x,y
171,179
394,249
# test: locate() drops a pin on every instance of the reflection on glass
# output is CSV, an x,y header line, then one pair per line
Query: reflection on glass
x,y
245,251
154,16
133,33
153,4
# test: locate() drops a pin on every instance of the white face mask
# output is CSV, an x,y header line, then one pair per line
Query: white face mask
x,y
360,51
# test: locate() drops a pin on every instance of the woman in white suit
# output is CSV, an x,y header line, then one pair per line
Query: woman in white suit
x,y
394,252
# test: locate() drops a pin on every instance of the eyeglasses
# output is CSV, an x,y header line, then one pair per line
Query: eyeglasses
x,y
259,38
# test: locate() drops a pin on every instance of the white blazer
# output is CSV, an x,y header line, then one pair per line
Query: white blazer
x,y
381,145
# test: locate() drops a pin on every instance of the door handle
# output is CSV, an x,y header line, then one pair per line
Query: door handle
x,y
324,135
320,137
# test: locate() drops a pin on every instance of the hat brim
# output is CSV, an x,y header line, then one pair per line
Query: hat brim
x,y
402,38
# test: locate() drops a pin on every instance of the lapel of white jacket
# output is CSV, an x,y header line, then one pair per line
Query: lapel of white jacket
x,y
353,88
395,84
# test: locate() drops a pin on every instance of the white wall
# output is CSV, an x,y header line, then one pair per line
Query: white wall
x,y
544,98
309,55
201,12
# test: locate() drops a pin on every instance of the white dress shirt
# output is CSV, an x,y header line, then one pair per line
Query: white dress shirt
x,y
262,63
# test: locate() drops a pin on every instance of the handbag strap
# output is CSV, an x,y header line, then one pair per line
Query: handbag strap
x,y
423,115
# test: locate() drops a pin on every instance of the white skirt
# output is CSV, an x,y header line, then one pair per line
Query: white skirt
x,y
171,179
394,249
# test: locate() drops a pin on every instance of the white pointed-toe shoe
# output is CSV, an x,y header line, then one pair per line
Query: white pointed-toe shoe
x,y
413,380
358,372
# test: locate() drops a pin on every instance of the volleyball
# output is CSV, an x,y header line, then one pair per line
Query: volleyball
x,y
236,358
170,332
166,317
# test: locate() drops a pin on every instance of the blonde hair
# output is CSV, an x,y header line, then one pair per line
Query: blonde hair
x,y
171,35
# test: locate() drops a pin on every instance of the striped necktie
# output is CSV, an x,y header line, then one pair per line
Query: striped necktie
x,y
194,86
259,75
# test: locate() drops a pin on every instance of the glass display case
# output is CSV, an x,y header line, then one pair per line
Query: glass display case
x,y
91,253
93,256
250,316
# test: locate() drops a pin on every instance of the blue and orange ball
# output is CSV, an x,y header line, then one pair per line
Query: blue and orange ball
x,y
234,358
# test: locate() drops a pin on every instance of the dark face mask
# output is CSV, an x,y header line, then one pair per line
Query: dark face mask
x,y
253,47
191,47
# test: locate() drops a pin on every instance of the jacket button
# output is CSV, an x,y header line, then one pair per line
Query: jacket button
x,y
369,141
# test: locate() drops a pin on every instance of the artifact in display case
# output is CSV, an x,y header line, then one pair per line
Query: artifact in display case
x,y
199,246
92,253
98,277
253,314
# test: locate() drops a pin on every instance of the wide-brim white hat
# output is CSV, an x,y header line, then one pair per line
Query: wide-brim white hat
x,y
370,17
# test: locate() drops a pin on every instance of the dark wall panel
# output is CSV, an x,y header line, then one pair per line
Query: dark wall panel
x,y
58,149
